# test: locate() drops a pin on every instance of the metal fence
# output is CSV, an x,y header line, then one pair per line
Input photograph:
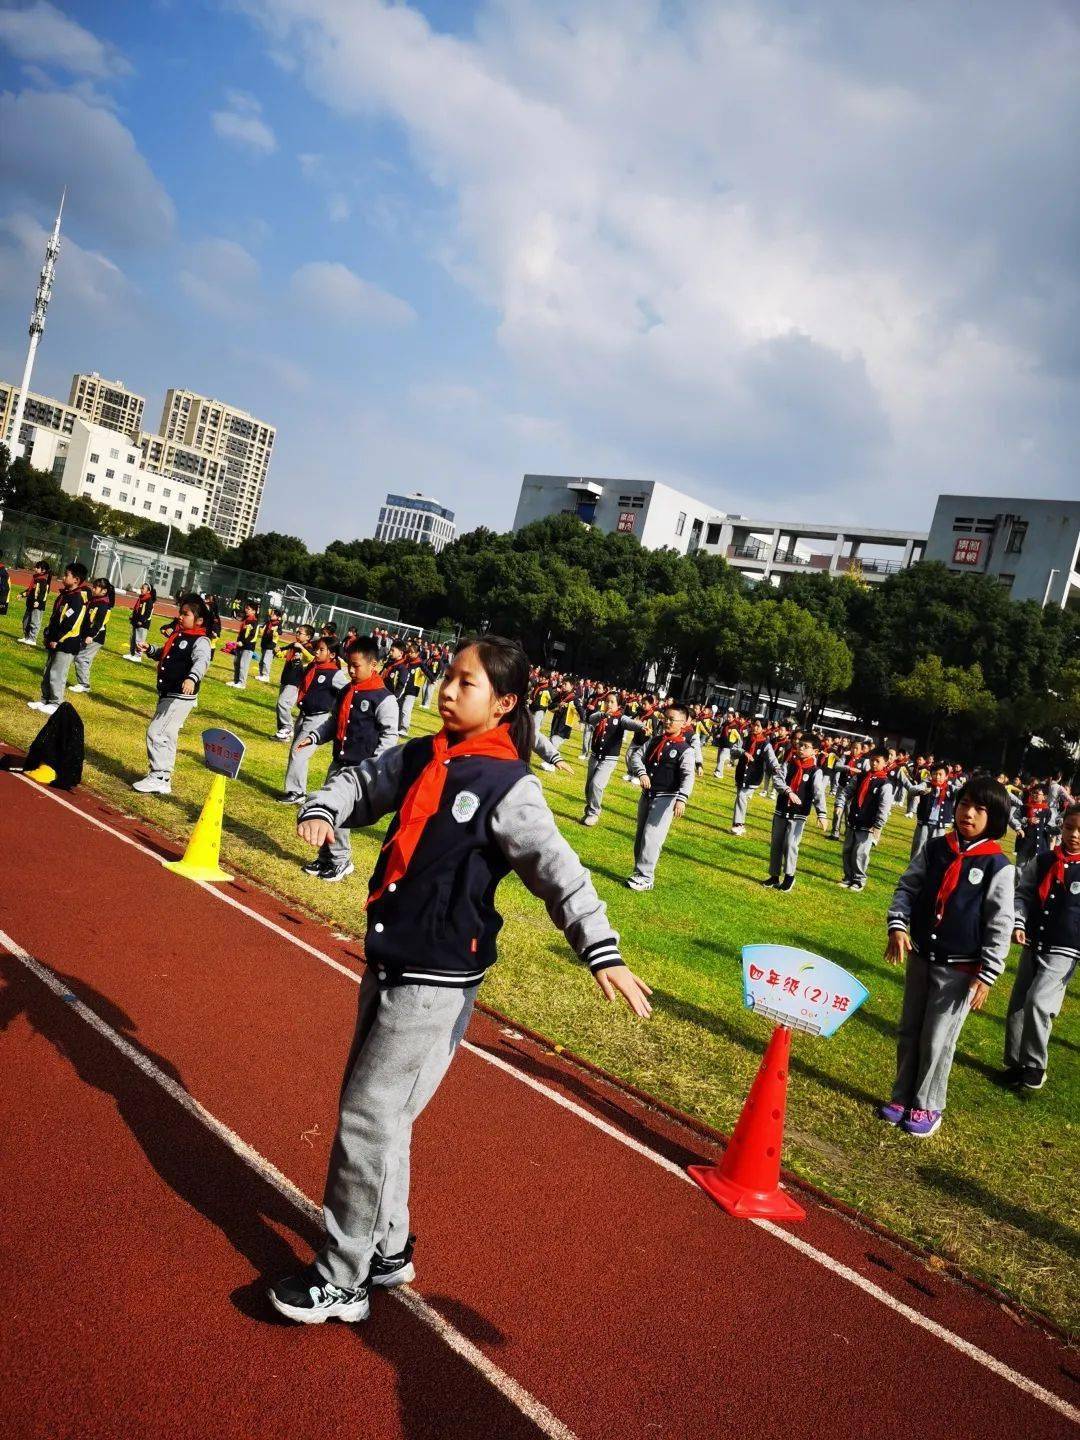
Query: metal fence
x,y
27,539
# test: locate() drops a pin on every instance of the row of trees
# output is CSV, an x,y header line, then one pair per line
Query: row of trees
x,y
949,659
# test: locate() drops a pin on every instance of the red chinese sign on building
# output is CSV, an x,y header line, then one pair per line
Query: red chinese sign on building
x,y
967,551
627,520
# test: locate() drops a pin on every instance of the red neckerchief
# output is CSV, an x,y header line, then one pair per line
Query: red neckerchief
x,y
941,791
952,875
309,675
794,781
1056,873
171,640
658,745
271,628
425,795
602,724
1033,811
373,682
753,743
860,799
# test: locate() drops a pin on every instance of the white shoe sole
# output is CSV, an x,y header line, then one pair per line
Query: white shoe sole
x,y
350,1314
405,1276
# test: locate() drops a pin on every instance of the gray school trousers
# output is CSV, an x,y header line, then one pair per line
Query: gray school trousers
x,y
285,701
597,775
742,801
936,1003
408,704
32,624
266,663
923,833
784,845
296,771
84,659
405,1039
337,851
723,759
241,665
839,805
164,730
138,637
654,816
1042,978
857,847
54,676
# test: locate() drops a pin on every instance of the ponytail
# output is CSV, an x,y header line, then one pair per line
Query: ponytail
x,y
507,667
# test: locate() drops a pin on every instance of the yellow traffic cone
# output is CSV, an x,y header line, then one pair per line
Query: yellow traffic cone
x,y
200,860
43,774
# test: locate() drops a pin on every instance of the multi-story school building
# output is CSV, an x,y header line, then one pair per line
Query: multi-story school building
x,y
1031,546
416,517
657,514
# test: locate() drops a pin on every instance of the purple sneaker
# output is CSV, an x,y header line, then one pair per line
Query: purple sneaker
x,y
922,1122
892,1113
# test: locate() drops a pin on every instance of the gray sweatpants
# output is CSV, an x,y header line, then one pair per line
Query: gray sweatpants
x,y
839,806
723,759
84,659
138,637
32,624
742,801
163,732
654,816
285,701
923,833
266,663
338,851
296,771
1042,977
936,1003
597,776
784,845
241,665
405,1039
857,847
54,676
408,705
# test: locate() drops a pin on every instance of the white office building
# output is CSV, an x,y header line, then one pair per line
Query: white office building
x,y
767,549
1032,547
658,515
416,517
95,462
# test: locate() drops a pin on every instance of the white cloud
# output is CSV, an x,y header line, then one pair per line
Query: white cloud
x,y
222,279
57,139
241,123
826,251
40,34
333,293
338,208
87,282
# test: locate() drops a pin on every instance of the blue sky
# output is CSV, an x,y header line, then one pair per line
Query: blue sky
x,y
818,263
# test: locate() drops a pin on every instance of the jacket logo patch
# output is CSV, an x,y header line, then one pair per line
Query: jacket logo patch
x,y
465,806
320,679
365,705
1074,888
976,876
183,645
673,754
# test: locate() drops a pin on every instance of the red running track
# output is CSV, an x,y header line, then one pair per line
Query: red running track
x,y
613,1295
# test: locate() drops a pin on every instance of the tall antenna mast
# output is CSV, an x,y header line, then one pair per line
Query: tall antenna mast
x,y
37,327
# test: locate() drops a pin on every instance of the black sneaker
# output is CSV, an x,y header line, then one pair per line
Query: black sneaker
x,y
391,1270
771,883
311,1300
314,867
1012,1075
333,874
788,883
1032,1077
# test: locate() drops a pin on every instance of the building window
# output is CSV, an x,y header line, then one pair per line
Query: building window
x,y
712,535
105,490
131,459
94,459
123,498
90,479
163,510
146,505
167,493
110,474
150,489
1016,538
114,454
680,523
182,498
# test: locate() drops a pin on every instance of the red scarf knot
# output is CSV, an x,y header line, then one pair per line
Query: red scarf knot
x,y
951,878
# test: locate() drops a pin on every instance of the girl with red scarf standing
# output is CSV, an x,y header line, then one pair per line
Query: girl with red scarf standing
x,y
800,789
1048,927
316,696
466,811
936,797
1034,824
182,662
951,923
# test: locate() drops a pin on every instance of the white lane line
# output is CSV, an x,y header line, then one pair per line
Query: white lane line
x,y
821,1257
525,1402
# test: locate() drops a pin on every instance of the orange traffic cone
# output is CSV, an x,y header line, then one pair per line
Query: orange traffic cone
x,y
747,1180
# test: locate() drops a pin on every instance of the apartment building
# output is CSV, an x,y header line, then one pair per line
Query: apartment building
x,y
107,402
240,442
41,411
180,462
416,517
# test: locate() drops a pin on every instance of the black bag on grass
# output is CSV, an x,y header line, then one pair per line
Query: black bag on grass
x,y
58,745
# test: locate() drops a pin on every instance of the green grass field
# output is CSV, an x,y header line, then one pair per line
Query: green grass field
x,y
995,1190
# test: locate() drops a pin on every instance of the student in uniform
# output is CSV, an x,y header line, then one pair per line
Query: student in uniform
x,y
362,725
726,734
245,647
950,924
541,699
563,716
1047,925
608,727
868,804
142,612
415,672
102,599
317,693
753,756
800,788
298,656
36,596
466,812
213,624
269,636
935,806
664,768
1034,825
182,661
854,765
63,637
